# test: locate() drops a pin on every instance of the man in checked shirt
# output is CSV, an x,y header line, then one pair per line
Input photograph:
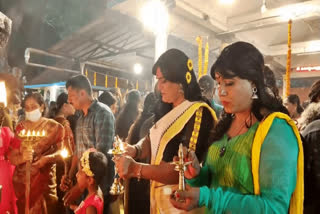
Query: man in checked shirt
x,y
94,129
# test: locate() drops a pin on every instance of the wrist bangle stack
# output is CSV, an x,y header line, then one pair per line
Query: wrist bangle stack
x,y
139,172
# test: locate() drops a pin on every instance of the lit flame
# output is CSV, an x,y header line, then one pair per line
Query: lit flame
x,y
23,132
3,93
121,146
28,133
43,133
33,133
38,133
64,153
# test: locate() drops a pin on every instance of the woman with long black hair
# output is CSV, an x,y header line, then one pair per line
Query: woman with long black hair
x,y
255,163
128,114
182,116
292,103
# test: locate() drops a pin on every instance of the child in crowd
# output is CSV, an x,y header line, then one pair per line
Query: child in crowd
x,y
89,176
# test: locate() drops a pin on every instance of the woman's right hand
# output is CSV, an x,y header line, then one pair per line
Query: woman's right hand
x,y
193,169
130,150
65,183
27,155
73,194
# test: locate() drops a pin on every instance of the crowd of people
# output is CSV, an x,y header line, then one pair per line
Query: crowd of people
x,y
250,150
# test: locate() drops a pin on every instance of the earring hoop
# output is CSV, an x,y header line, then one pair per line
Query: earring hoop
x,y
254,93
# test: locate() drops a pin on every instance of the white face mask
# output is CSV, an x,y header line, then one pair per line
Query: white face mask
x,y
34,115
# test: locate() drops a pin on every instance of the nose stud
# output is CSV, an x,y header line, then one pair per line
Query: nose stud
x,y
223,92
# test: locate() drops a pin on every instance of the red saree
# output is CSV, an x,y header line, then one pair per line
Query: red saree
x,y
43,193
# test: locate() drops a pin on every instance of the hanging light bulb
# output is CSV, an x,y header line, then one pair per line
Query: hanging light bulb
x,y
263,7
226,1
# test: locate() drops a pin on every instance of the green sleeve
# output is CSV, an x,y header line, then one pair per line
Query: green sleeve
x,y
202,179
278,175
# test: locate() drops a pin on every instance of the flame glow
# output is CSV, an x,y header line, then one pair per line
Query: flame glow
x,y
3,93
64,153
121,146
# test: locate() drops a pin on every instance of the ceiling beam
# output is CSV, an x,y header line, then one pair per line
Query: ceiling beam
x,y
272,17
134,50
210,22
307,47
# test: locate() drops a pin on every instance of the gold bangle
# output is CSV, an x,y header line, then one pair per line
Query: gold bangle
x,y
139,172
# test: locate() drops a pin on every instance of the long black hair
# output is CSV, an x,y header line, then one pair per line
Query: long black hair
x,y
148,109
128,113
294,99
243,60
314,93
98,165
174,66
54,109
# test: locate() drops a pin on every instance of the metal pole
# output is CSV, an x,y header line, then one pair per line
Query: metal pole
x,y
82,64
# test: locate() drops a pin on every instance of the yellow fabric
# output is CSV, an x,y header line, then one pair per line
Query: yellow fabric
x,y
168,135
178,125
196,128
296,202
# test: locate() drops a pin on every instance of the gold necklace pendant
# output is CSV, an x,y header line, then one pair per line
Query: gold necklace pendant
x,y
223,151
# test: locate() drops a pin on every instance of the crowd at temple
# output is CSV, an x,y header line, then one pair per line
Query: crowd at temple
x,y
249,149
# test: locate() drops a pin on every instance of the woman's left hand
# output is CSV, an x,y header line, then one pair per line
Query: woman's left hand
x,y
185,200
125,166
40,163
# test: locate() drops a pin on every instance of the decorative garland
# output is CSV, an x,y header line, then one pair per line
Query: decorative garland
x,y
116,83
85,163
106,85
288,67
206,59
196,128
199,41
106,82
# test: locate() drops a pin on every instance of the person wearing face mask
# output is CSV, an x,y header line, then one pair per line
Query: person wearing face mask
x,y
43,195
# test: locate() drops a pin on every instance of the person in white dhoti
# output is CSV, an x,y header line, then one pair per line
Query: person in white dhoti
x,y
182,116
